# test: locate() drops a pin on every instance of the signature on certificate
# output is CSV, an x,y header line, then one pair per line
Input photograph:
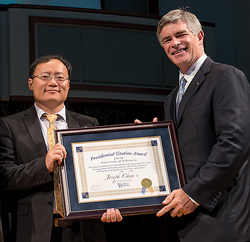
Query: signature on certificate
x,y
96,187
120,175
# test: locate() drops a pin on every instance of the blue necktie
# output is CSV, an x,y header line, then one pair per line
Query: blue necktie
x,y
180,94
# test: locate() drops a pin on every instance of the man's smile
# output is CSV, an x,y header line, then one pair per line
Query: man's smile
x,y
179,51
51,90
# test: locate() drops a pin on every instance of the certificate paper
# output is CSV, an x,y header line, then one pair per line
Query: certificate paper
x,y
126,168
131,167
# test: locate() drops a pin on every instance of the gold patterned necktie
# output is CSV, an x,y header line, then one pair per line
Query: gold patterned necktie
x,y
51,142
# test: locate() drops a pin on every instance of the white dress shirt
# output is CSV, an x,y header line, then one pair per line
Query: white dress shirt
x,y
61,123
191,72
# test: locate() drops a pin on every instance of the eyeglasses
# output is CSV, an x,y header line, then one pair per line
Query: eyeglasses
x,y
47,78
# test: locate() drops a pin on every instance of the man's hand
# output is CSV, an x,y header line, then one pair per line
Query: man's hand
x,y
55,157
112,215
137,121
178,203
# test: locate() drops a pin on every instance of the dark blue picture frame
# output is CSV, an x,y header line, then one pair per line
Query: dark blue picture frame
x,y
130,206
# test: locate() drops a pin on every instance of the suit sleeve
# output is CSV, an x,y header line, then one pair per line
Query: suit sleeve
x,y
15,172
231,114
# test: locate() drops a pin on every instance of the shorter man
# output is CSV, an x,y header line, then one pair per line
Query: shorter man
x,y
27,164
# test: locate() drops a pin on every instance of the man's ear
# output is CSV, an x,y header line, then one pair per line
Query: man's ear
x,y
30,84
201,37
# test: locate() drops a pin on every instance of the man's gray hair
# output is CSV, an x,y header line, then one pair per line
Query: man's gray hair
x,y
174,16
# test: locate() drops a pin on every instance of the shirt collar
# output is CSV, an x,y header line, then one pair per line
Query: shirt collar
x,y
40,112
191,72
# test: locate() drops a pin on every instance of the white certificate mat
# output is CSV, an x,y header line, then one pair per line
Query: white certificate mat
x,y
121,168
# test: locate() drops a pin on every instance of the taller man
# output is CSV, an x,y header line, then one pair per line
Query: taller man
x,y
211,112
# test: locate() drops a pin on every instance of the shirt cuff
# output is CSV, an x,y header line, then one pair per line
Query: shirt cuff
x,y
195,203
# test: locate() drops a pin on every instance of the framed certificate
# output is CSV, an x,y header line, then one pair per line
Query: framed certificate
x,y
130,167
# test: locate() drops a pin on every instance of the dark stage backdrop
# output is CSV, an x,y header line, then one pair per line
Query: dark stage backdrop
x,y
106,112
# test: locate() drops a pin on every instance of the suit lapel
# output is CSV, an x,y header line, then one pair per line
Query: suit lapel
x,y
72,121
173,105
33,126
194,86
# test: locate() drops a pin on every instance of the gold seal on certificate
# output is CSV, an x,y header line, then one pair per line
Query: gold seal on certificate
x,y
146,183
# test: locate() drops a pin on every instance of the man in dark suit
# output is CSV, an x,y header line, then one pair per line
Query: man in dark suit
x,y
212,125
27,165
